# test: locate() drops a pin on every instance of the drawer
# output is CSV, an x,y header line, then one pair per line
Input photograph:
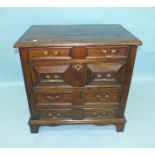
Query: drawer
x,y
49,53
49,75
78,74
107,52
54,98
106,73
55,113
107,95
100,113
78,114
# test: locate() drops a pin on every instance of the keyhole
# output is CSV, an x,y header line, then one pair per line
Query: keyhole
x,y
77,66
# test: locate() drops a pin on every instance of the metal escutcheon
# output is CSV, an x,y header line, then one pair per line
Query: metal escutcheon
x,y
78,67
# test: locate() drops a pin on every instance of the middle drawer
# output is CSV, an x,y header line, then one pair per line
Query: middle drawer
x,y
83,97
78,74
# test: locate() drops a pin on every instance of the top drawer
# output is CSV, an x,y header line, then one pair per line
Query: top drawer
x,y
107,52
77,53
49,53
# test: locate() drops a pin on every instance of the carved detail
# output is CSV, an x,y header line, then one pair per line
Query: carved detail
x,y
81,76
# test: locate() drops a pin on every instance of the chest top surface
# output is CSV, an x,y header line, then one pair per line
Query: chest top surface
x,y
76,35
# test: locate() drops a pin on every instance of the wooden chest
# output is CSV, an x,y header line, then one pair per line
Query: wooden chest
x,y
77,73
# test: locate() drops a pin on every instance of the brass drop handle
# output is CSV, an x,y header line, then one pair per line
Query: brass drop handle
x,y
108,75
55,53
78,67
99,75
104,51
49,77
107,96
113,51
56,76
50,114
100,97
95,114
45,52
104,113
52,97
58,114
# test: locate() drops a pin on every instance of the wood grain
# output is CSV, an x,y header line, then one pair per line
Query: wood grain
x,y
77,74
76,35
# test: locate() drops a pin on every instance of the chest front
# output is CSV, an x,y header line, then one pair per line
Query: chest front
x,y
83,81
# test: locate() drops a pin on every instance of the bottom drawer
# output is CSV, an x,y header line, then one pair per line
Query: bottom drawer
x,y
78,114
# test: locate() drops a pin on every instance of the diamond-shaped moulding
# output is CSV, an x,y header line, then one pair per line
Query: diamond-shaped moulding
x,y
78,75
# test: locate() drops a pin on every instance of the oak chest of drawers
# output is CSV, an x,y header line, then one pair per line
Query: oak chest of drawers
x,y
77,73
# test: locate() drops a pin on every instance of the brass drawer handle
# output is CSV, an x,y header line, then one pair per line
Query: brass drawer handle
x,y
55,53
45,52
100,97
104,113
56,76
54,116
78,67
50,114
47,76
108,75
95,114
53,97
99,75
58,114
52,80
99,116
107,96
113,51
104,51
109,55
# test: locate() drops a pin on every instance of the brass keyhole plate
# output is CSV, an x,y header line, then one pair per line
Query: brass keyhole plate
x,y
78,67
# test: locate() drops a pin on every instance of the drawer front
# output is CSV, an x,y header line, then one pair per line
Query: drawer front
x,y
49,53
106,73
100,113
49,75
54,98
77,114
78,74
107,52
105,96
55,114
77,53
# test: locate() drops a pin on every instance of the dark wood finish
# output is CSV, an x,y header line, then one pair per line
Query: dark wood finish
x,y
49,53
34,128
28,82
76,35
120,127
77,74
102,52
